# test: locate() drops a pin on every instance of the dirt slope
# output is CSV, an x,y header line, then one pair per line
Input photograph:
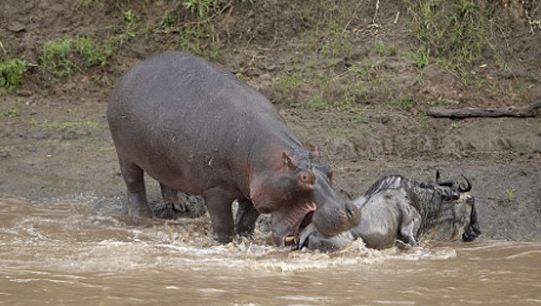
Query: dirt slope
x,y
347,77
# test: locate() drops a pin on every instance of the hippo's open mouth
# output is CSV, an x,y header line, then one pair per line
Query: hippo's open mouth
x,y
289,227
293,238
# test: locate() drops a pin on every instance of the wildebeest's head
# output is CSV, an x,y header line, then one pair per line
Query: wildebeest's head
x,y
453,216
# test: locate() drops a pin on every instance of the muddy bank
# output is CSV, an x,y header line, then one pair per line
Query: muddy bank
x,y
48,152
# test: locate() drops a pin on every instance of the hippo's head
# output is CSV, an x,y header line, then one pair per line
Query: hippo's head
x,y
457,200
298,194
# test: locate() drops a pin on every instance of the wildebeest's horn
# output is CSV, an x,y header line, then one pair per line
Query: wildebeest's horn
x,y
444,183
468,185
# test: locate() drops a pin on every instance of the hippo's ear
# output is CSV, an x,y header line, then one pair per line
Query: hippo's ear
x,y
288,161
306,179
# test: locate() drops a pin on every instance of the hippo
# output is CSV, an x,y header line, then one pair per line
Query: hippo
x,y
196,129
399,209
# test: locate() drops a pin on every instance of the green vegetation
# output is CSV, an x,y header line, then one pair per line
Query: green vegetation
x,y
330,37
509,195
383,50
335,42
405,103
193,23
90,3
11,73
317,103
55,57
289,82
340,131
123,34
91,53
421,57
330,91
455,32
67,125
200,38
201,7
64,56
13,112
287,87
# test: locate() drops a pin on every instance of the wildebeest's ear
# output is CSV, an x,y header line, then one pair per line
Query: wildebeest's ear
x,y
288,161
326,170
313,150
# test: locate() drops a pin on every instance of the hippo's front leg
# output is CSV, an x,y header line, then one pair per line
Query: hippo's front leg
x,y
219,204
246,218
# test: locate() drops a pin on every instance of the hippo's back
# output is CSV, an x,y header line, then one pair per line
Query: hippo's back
x,y
175,114
175,83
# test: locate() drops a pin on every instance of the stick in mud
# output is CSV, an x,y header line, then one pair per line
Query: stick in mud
x,y
469,112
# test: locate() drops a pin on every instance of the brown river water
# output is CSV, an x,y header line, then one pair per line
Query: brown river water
x,y
74,252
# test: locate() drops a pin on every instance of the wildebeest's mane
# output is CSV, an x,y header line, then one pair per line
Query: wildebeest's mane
x,y
388,182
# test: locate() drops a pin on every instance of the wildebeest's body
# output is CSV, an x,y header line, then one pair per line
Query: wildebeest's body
x,y
396,208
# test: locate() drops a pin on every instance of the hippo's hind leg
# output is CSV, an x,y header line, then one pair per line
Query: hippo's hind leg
x,y
137,200
246,218
219,204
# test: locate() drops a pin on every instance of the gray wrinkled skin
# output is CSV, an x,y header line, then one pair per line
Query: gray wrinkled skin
x,y
398,209
196,129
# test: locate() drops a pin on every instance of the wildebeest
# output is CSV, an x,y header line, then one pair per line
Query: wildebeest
x,y
399,209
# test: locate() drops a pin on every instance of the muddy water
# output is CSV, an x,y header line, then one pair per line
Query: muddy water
x,y
74,252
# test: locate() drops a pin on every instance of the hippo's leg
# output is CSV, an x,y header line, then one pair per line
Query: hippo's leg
x,y
246,218
221,215
135,183
171,199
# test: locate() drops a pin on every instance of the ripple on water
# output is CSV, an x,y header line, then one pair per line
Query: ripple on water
x,y
65,237
66,250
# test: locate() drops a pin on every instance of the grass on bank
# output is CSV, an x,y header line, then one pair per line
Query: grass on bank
x,y
11,73
453,32
64,56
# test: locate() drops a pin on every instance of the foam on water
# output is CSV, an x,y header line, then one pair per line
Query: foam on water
x,y
64,237
70,252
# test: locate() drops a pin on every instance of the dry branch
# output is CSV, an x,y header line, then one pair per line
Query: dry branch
x,y
468,112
